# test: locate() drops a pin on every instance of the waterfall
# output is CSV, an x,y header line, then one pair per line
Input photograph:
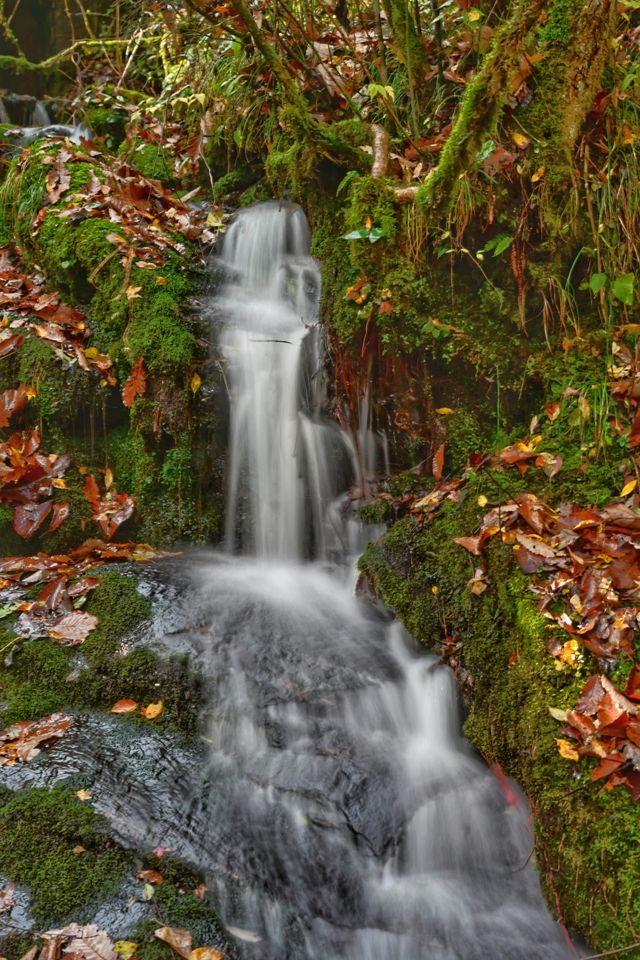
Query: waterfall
x,y
347,818
286,463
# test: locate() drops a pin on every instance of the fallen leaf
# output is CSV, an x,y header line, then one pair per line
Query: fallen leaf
x,y
151,876
124,706
178,939
22,741
125,948
567,750
73,628
438,463
153,710
82,795
196,383
136,383
444,411
628,488
79,943
520,140
206,953
538,175
133,293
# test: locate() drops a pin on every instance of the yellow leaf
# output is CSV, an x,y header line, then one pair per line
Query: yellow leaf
x,y
161,281
31,392
206,953
133,293
444,411
628,487
196,383
628,136
82,795
126,948
520,140
215,218
474,15
368,223
59,484
482,500
153,710
108,479
434,590
567,750
538,175
201,98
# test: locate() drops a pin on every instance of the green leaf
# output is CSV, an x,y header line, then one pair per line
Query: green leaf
x,y
360,234
622,288
558,714
503,242
597,281
347,181
375,234
485,150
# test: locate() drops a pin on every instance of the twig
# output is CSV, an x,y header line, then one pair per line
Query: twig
x,y
613,953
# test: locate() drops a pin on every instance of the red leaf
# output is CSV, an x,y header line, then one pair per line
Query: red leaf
x,y
9,344
92,493
12,401
472,544
136,383
60,514
29,517
438,463
632,689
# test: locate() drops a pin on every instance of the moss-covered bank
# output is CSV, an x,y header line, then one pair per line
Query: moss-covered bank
x,y
586,838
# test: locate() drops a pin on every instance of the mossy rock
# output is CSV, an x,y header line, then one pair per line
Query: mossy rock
x,y
39,829
152,160
44,677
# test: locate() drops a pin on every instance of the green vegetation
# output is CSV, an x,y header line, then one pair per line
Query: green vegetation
x,y
39,830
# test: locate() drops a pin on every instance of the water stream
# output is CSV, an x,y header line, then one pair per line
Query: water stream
x,y
332,804
347,818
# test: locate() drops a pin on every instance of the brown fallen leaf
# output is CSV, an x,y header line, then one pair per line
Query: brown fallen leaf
x,y
150,876
22,740
136,383
79,943
178,939
206,953
73,628
124,706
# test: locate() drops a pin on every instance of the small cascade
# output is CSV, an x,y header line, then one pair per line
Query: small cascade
x,y
346,818
287,463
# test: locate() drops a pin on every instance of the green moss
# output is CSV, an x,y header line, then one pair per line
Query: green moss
x,y
120,608
39,829
35,685
237,179
152,160
107,122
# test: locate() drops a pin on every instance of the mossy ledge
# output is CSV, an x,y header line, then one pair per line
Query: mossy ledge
x,y
41,678
161,450
586,838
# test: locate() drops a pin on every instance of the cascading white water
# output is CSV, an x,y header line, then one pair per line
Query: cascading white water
x,y
347,817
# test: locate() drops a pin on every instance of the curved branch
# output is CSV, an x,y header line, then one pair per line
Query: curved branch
x,y
21,64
